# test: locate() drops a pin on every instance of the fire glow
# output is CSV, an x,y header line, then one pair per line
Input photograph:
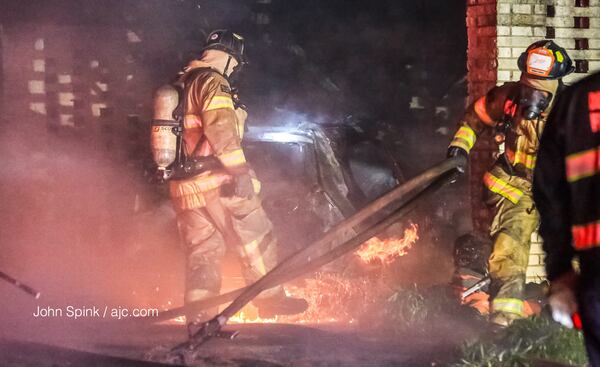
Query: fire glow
x,y
388,250
333,298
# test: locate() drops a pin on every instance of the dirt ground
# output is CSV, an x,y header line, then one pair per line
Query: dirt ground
x,y
101,344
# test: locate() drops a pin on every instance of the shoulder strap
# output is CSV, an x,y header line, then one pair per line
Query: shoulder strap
x,y
182,86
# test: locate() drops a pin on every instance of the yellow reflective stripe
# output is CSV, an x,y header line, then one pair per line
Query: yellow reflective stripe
x,y
461,143
259,265
528,160
466,133
197,294
240,129
254,256
508,305
196,185
233,158
187,194
218,102
257,185
251,247
501,187
464,138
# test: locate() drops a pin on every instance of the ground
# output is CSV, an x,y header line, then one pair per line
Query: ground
x,y
256,345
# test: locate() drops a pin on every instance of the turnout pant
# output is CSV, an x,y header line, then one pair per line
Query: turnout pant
x,y
237,222
513,224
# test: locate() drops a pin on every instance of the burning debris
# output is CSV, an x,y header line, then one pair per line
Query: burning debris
x,y
331,298
334,298
387,250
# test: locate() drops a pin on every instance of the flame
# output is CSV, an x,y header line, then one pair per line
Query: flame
x,y
387,250
249,315
331,299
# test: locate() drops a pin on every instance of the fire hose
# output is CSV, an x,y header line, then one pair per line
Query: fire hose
x,y
391,207
24,287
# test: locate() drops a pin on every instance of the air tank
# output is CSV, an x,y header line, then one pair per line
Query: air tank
x,y
163,135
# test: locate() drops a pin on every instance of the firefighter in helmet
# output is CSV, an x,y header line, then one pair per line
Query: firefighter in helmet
x,y
215,192
517,113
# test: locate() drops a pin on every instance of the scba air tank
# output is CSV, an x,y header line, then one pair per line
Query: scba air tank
x,y
163,135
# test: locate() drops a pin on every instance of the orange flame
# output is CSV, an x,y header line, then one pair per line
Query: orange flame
x,y
387,250
331,298
334,298
249,315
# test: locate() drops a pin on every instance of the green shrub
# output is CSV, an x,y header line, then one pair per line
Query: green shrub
x,y
527,340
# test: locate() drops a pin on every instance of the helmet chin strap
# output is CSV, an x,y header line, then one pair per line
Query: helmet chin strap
x,y
227,67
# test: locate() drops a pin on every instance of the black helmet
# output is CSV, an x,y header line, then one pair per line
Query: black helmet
x,y
545,60
227,41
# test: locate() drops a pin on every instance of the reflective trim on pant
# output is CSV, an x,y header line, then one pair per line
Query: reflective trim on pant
x,y
253,254
508,305
255,230
192,295
205,249
511,229
501,187
206,245
189,194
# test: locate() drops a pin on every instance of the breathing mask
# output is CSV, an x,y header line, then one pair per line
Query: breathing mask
x,y
532,102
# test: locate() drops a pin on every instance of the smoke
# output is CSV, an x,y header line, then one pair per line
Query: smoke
x,y
69,229
79,222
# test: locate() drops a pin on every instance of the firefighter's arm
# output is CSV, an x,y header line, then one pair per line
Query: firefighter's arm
x,y
221,128
486,112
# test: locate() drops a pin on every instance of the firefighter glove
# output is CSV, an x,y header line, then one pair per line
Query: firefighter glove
x,y
463,157
243,186
562,299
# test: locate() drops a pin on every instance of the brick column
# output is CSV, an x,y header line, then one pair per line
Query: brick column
x,y
482,65
498,31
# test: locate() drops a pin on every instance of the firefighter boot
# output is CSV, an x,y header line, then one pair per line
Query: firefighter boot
x,y
280,304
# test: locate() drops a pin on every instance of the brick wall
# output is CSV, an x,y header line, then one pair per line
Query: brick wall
x,y
573,24
482,75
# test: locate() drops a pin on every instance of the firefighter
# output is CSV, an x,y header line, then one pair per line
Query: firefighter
x,y
566,190
516,112
218,206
